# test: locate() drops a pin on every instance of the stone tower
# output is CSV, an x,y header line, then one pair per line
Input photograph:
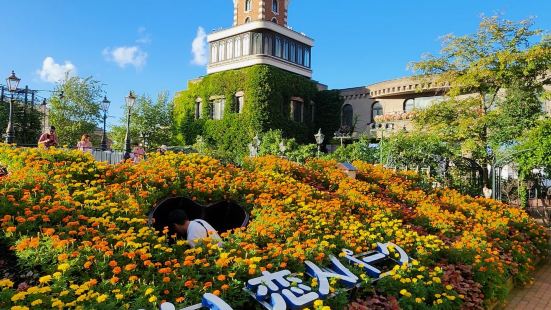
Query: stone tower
x,y
260,36
245,11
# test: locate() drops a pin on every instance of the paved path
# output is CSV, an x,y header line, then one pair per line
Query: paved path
x,y
534,297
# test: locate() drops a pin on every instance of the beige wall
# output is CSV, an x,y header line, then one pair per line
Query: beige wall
x,y
392,95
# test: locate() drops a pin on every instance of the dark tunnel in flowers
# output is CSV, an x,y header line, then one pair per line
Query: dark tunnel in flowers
x,y
223,215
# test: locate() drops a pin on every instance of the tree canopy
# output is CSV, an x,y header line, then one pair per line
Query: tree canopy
x,y
494,82
151,122
77,112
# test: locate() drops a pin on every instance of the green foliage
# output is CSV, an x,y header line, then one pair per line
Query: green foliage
x,y
79,110
496,79
267,96
415,149
359,150
535,148
150,122
26,120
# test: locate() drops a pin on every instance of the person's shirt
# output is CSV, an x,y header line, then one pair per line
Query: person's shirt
x,y
47,139
85,146
200,229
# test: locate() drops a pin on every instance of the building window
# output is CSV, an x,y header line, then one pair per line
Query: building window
x,y
221,51
247,6
347,115
239,102
293,52
278,47
198,108
274,20
409,105
268,45
246,44
247,20
218,108
237,52
297,109
299,55
257,43
229,53
285,50
214,53
307,57
275,6
377,109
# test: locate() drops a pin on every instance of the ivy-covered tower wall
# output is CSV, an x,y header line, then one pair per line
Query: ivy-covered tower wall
x,y
229,108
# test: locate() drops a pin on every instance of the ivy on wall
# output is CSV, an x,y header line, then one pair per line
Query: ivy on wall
x,y
267,105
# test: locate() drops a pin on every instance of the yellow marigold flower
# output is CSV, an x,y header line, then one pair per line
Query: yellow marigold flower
x,y
119,296
318,303
63,267
101,298
19,308
18,296
148,291
451,297
36,302
45,279
418,300
449,287
152,299
6,283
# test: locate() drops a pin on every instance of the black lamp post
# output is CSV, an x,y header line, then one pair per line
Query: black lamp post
x,y
130,99
319,140
43,106
104,107
13,82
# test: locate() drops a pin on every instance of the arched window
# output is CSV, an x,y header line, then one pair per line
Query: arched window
x,y
221,51
247,6
214,53
246,44
275,6
347,115
237,47
377,109
247,20
409,105
274,20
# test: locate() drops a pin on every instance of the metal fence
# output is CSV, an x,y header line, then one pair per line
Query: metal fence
x,y
111,157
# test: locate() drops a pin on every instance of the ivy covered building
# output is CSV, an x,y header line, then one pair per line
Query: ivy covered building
x,y
258,78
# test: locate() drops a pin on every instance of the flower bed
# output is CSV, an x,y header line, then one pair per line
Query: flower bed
x,y
81,228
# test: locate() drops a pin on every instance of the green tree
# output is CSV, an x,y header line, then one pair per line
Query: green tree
x,y
151,123
495,81
78,111
534,149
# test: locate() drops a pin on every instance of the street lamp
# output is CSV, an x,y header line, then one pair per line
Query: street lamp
x,y
282,147
254,146
13,82
43,107
104,107
382,127
319,140
130,100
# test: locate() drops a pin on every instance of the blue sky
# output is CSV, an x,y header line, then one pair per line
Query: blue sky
x,y
146,45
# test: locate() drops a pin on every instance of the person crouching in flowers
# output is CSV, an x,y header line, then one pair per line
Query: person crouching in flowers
x,y
194,230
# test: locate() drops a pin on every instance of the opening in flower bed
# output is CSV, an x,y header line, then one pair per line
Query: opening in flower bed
x,y
223,215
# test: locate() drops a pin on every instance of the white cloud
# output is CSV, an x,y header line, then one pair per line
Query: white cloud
x,y
53,72
199,48
126,55
144,36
